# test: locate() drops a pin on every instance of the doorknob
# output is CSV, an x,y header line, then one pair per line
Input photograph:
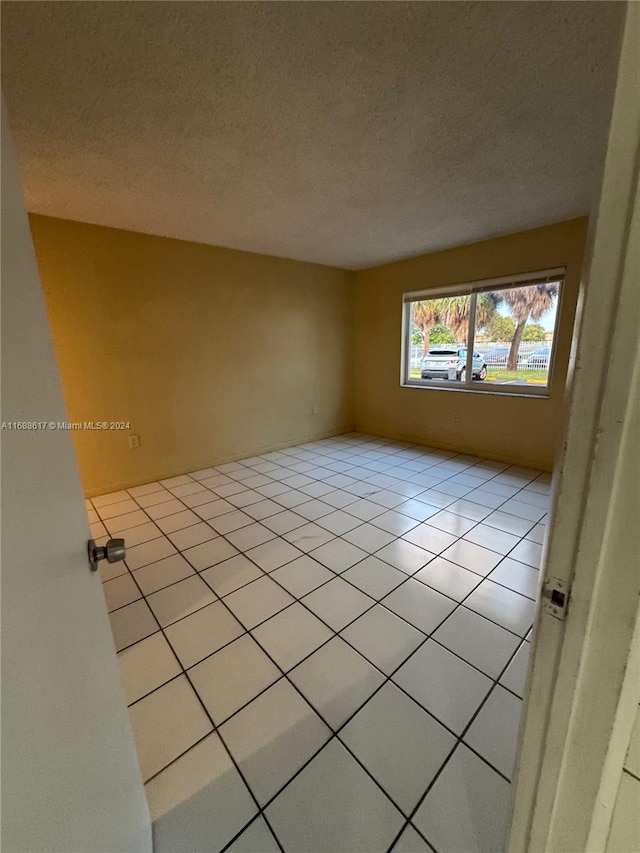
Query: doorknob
x,y
112,552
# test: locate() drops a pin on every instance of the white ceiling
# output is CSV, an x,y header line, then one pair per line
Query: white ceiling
x,y
344,133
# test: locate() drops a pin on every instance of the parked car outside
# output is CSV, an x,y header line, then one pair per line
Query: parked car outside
x,y
438,362
498,355
540,358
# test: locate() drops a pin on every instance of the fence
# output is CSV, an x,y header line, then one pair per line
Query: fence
x,y
496,354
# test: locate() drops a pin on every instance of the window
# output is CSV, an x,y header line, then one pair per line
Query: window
x,y
493,335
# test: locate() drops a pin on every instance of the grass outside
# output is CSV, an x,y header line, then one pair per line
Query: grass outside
x,y
493,375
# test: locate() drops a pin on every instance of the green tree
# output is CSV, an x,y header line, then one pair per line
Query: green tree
x,y
534,332
417,336
441,334
501,328
524,302
452,312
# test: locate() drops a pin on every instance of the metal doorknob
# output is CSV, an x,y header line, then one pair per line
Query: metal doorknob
x,y
112,552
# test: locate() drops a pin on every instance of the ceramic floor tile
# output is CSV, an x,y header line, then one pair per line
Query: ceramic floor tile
x,y
209,553
337,603
263,510
449,522
203,633
468,808
166,723
430,538
273,737
302,576
292,499
419,605
109,571
199,802
473,557
146,665
365,510
405,756
232,677
339,522
257,601
132,623
394,522
470,510
368,537
147,489
537,534
180,599
494,732
374,577
194,535
509,523
154,498
230,521
283,522
314,509
411,842
523,510
271,555
336,680
340,499
446,686
350,813
517,576
291,635
170,523
480,642
162,573
120,591
490,537
140,534
114,509
162,510
215,508
123,525
515,675
528,552
509,609
383,638
404,556
181,480
251,536
187,489
449,579
338,555
149,552
308,537
230,575
257,838
199,498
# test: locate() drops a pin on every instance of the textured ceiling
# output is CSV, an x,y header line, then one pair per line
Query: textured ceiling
x,y
348,134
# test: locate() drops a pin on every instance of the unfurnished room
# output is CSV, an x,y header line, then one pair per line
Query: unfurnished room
x,y
320,393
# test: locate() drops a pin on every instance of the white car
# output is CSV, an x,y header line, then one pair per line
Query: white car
x,y
438,362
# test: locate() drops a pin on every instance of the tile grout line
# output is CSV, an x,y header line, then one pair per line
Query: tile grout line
x,y
336,574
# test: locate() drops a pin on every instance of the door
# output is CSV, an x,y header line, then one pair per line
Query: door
x,y
578,714
70,777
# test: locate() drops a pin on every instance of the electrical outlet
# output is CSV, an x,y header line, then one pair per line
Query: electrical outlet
x,y
134,441
315,410
455,417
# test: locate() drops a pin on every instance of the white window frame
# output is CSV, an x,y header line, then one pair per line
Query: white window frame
x,y
472,288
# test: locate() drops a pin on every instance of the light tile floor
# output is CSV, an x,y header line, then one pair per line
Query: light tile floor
x,y
325,647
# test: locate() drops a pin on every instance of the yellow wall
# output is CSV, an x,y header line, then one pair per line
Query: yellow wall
x,y
519,429
211,354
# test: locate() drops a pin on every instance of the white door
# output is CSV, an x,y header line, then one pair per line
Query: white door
x,y
70,777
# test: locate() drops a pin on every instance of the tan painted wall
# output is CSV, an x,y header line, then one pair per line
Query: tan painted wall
x,y
211,354
518,429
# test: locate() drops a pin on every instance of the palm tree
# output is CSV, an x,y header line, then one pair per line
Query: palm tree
x,y
453,311
524,302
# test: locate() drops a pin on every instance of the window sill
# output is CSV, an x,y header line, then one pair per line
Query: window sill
x,y
493,390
